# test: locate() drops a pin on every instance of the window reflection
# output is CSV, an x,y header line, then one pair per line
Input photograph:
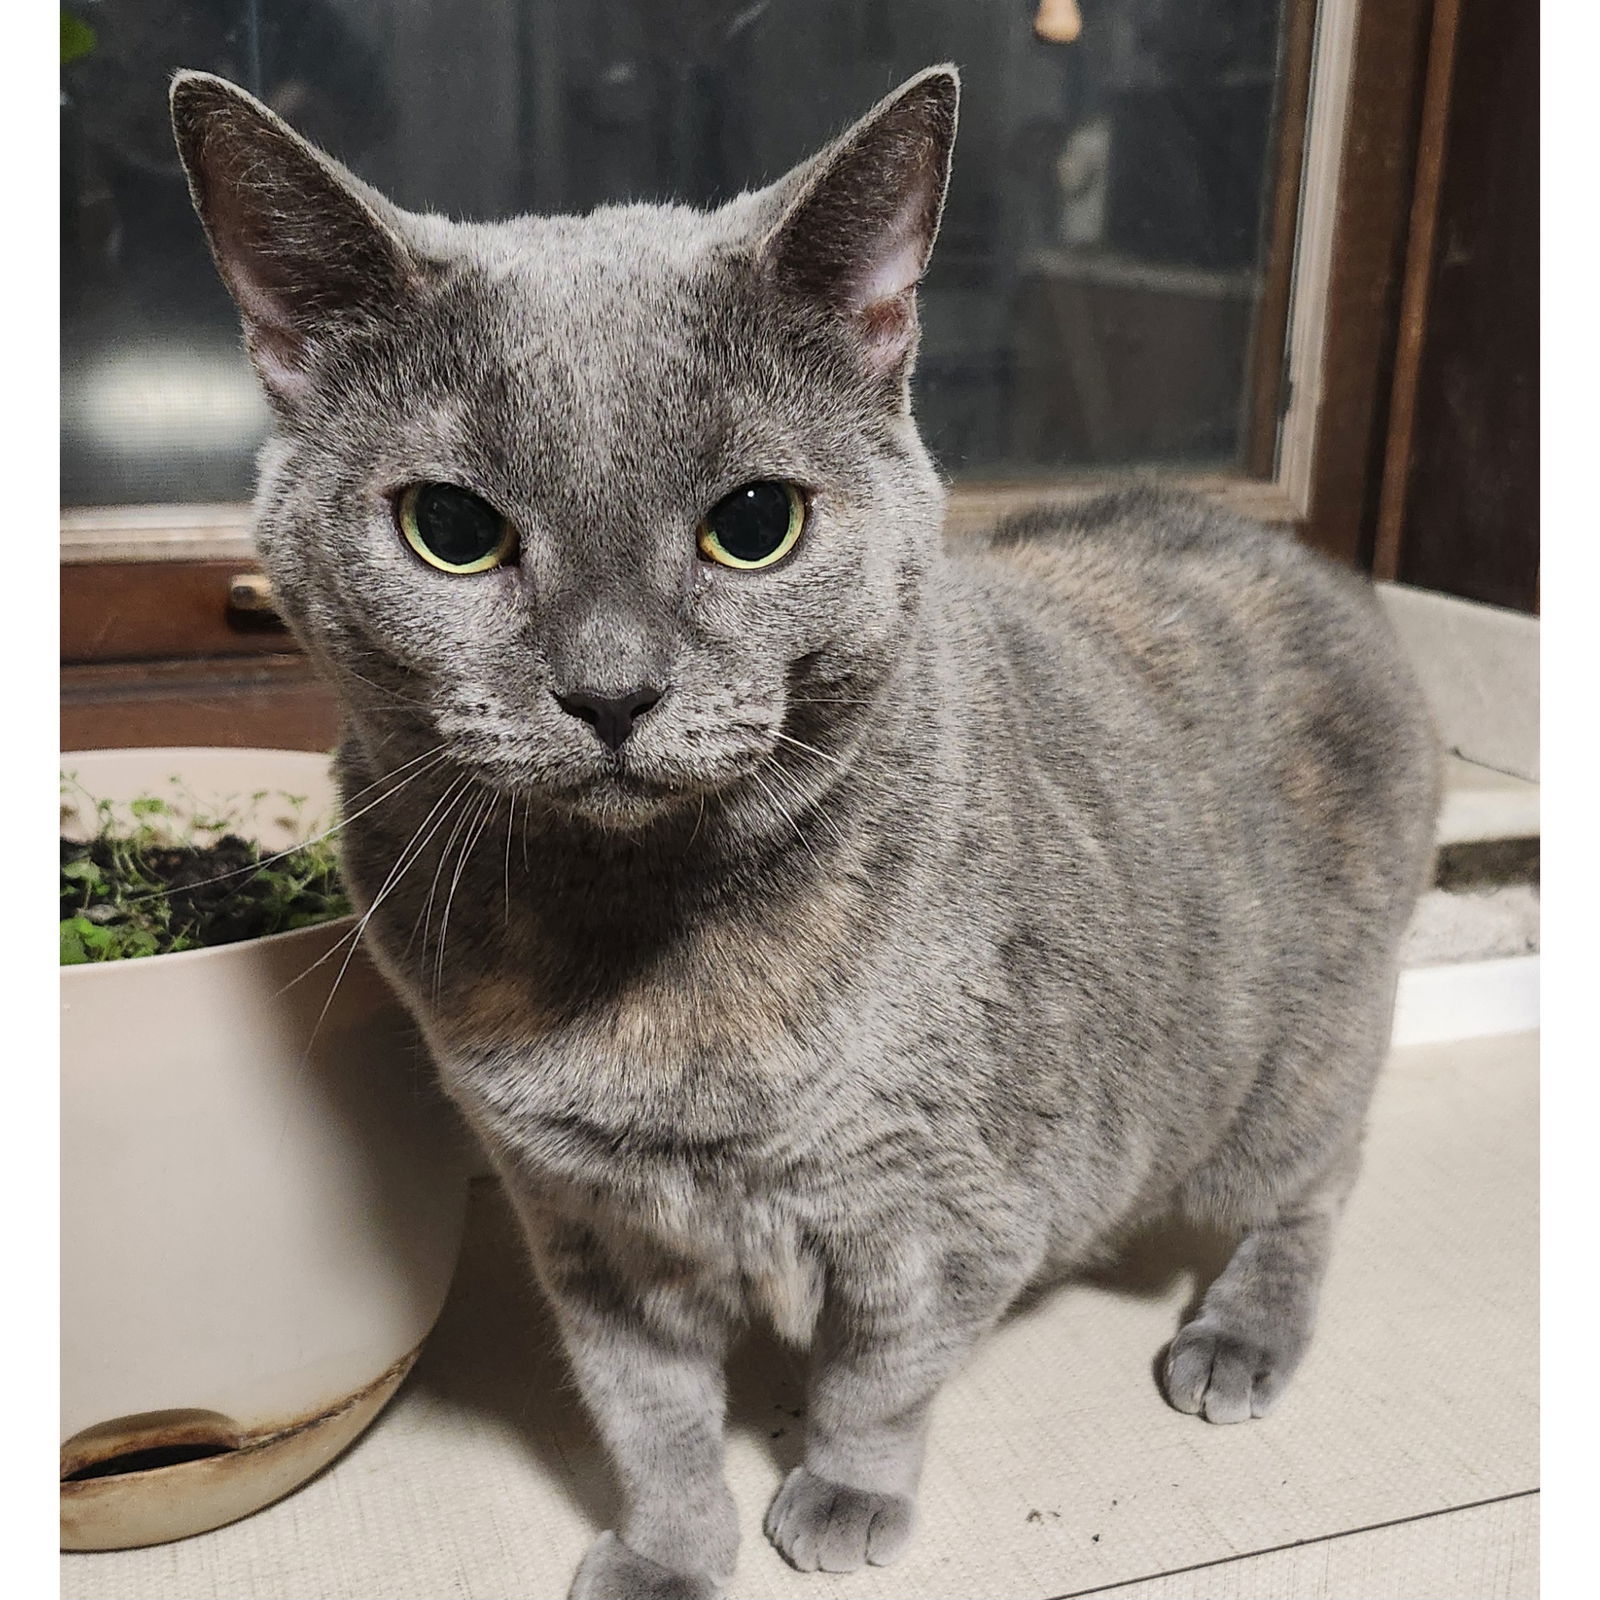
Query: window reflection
x,y
1092,294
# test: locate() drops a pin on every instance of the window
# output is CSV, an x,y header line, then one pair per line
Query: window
x,y
1099,296
1182,238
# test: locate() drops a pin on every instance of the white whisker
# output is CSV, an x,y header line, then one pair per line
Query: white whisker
x,y
784,813
511,814
800,744
480,824
316,838
355,940
402,862
382,688
438,872
805,801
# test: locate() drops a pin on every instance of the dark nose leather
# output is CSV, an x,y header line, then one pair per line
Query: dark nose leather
x,y
611,716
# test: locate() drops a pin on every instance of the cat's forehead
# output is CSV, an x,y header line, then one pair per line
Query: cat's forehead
x,y
632,261
630,309
583,357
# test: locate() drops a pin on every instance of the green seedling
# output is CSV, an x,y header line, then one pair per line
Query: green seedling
x,y
178,876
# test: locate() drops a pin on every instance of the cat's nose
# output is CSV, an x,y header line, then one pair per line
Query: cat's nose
x,y
612,716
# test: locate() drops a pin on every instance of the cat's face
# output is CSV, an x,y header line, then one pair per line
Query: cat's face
x,y
671,449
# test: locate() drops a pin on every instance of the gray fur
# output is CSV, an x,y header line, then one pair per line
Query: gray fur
x,y
958,911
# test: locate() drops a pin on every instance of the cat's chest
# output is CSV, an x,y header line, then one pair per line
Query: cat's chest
x,y
722,1212
696,1028
751,1247
743,976
686,1147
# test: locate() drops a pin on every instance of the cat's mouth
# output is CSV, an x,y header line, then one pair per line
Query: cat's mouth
x,y
621,794
626,787
627,783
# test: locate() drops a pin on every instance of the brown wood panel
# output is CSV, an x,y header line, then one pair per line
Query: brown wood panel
x,y
1412,334
1465,481
273,702
1270,328
1378,163
154,610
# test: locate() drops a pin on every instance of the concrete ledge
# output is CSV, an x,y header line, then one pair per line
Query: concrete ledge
x,y
1479,668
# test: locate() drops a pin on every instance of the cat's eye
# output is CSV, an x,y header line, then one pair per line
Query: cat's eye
x,y
453,530
756,526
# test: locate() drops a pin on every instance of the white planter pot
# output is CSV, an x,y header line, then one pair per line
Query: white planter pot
x,y
260,1211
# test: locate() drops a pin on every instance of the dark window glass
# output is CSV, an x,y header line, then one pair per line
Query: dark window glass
x,y
1090,301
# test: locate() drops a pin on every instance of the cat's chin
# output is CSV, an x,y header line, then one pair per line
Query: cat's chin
x,y
623,807
622,799
619,802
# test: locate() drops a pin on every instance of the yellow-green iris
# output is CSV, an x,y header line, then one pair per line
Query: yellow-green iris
x,y
756,526
453,530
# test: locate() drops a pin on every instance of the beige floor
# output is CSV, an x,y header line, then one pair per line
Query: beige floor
x,y
1402,1466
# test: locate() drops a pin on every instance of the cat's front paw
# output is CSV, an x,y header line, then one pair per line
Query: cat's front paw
x,y
1228,1375
817,1524
611,1571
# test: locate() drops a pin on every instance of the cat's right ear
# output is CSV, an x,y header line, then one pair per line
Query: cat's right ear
x,y
299,244
858,220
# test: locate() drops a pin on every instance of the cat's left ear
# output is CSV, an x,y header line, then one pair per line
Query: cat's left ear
x,y
860,218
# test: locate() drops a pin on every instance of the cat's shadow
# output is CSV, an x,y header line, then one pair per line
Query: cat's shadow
x,y
1148,1266
496,1353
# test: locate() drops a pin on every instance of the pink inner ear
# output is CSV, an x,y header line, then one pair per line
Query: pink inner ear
x,y
279,349
278,355
902,253
297,248
882,300
887,329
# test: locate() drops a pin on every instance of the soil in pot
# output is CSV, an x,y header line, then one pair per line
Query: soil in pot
x,y
145,891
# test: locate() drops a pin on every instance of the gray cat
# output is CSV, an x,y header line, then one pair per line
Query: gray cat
x,y
811,919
